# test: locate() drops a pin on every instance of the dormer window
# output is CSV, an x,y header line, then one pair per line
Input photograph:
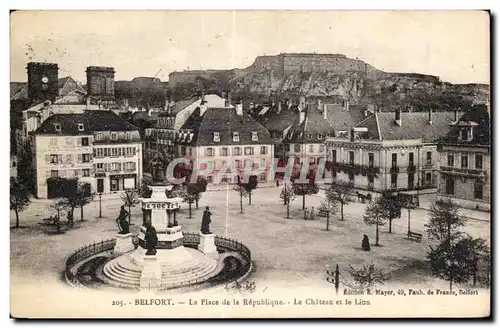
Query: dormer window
x,y
98,136
290,136
320,136
309,136
80,127
255,136
57,127
236,137
216,137
127,135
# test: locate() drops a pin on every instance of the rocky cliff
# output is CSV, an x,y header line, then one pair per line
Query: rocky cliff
x,y
311,75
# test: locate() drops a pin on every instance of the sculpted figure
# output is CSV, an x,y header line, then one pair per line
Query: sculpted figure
x,y
151,240
205,221
122,222
157,170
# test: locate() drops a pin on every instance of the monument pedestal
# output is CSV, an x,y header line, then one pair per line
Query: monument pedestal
x,y
124,244
207,245
151,273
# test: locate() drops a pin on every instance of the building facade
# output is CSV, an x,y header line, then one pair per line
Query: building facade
x,y
390,151
465,162
96,147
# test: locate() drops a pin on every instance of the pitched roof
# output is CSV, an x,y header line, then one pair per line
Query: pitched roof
x,y
414,125
225,121
479,117
18,90
97,120
282,120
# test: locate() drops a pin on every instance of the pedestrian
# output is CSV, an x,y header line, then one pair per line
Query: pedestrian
x,y
312,213
277,183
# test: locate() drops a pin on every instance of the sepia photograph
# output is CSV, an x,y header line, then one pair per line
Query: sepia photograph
x,y
258,164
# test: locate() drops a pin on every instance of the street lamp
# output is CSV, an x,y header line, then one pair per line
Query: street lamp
x,y
100,213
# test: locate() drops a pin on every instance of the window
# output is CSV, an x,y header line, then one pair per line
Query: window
x,y
236,151
311,148
85,141
76,173
450,186
236,137
54,159
190,151
216,137
429,158
54,173
80,127
287,147
129,167
410,159
463,134
114,136
263,150
249,151
223,151
100,166
478,190
114,152
320,136
394,159
209,152
479,162
53,141
334,156
98,136
309,136
127,135
183,151
69,158
57,127
237,163
411,180
465,161
351,157
371,160
69,141
296,148
115,167
86,172
255,137
321,148
428,178
394,181
451,160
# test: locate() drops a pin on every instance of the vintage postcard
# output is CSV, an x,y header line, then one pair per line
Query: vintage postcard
x,y
250,164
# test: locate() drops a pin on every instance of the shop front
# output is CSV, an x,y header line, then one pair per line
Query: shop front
x,y
120,182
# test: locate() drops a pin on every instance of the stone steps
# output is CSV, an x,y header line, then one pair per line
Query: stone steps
x,y
120,278
201,273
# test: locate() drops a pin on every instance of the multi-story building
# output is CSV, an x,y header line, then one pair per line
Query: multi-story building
x,y
219,138
464,161
97,147
390,150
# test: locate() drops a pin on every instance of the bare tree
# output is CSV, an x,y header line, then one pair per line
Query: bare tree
x,y
84,196
59,204
368,276
130,198
287,195
341,192
18,198
329,204
375,214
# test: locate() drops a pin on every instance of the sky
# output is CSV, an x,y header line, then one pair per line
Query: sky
x,y
453,45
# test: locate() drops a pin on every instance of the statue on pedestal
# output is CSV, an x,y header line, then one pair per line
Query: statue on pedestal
x,y
157,165
205,221
151,240
122,222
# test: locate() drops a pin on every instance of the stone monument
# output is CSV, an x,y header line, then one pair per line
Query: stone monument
x,y
124,243
207,239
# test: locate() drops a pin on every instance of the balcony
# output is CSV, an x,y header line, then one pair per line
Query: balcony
x,y
411,169
465,172
356,168
394,169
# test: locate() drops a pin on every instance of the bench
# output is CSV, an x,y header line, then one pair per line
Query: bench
x,y
415,236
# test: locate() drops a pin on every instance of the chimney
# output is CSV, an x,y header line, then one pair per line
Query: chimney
x,y
430,115
351,135
239,109
302,116
346,105
324,112
456,116
366,112
397,118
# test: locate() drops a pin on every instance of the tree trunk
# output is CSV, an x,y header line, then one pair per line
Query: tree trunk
x,y
288,210
250,198
304,201
376,233
241,203
17,218
190,205
196,200
342,210
327,221
58,222
81,213
451,284
390,225
129,214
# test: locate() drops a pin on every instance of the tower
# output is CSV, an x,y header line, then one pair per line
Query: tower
x,y
101,82
42,82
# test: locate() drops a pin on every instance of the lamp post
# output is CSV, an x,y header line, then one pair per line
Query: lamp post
x,y
100,213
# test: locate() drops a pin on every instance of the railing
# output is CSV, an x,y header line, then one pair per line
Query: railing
x,y
191,240
411,169
463,171
355,168
394,169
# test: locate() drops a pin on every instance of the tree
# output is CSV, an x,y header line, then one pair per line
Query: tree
x,y
201,187
130,198
341,192
287,195
368,276
25,171
303,189
409,205
72,201
444,222
84,196
18,198
375,214
250,187
190,195
143,190
59,204
474,250
242,192
329,204
392,204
